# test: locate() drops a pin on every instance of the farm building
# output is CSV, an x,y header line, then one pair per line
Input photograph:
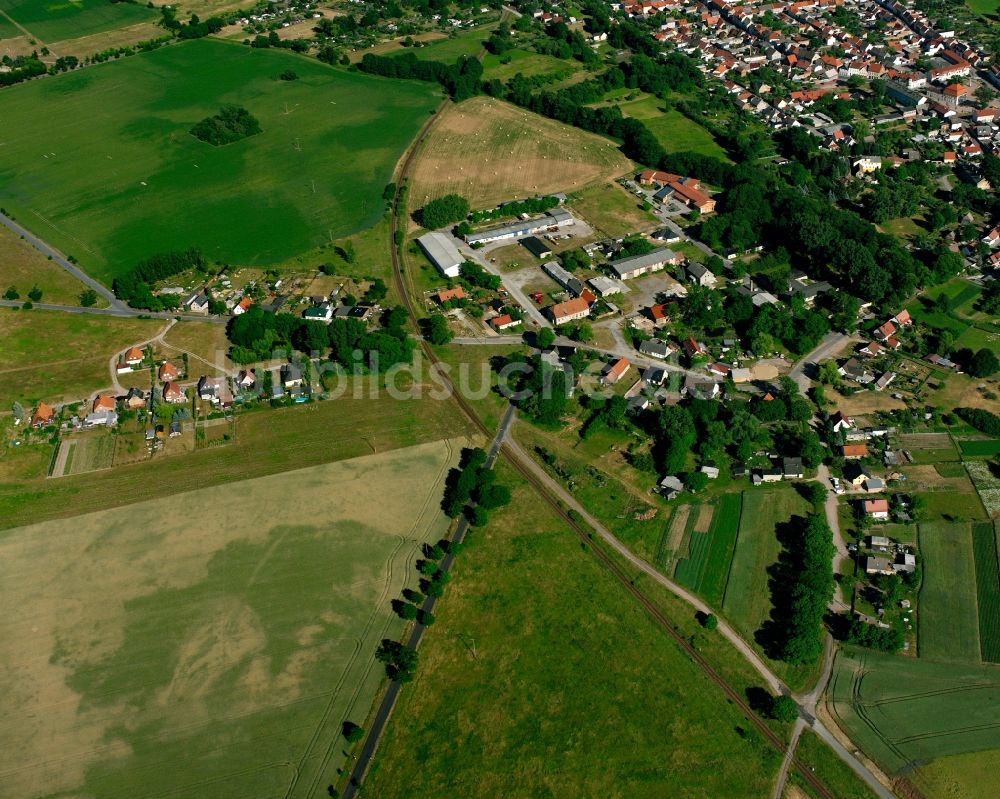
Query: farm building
x,y
525,227
563,278
442,252
878,566
605,286
616,371
671,486
626,268
536,247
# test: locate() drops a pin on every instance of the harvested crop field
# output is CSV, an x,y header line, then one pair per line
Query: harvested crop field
x,y
489,151
24,268
220,636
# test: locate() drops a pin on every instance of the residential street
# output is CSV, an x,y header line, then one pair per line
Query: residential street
x,y
831,344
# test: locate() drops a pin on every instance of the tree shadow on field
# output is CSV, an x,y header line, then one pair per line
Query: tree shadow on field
x,y
783,574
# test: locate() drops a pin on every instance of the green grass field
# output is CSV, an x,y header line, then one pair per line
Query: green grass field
x,y
672,129
905,710
468,42
968,776
747,600
706,569
833,771
525,63
980,449
55,20
975,338
984,546
115,186
949,619
984,6
542,678
220,636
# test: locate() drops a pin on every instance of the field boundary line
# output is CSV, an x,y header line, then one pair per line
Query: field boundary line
x,y
736,543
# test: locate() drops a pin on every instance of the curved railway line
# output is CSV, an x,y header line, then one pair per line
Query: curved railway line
x,y
602,556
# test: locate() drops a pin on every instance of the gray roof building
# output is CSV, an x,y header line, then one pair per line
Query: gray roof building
x,y
441,252
641,264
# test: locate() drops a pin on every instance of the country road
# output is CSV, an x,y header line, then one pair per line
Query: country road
x,y
58,258
377,727
807,703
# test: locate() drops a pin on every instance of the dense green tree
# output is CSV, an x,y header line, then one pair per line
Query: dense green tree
x,y
443,211
984,363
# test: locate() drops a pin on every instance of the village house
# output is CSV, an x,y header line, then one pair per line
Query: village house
x,y
44,415
701,275
568,311
167,372
242,306
103,402
875,565
839,422
447,295
853,451
173,393
135,399
876,509
132,359
291,375
655,348
503,322
246,379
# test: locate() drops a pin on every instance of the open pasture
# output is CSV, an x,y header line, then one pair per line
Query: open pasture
x,y
52,21
57,356
907,711
116,186
671,128
747,601
535,644
948,619
489,151
219,636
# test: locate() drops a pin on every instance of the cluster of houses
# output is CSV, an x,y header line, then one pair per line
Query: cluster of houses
x,y
889,557
930,75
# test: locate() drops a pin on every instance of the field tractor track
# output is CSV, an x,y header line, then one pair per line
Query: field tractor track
x,y
410,567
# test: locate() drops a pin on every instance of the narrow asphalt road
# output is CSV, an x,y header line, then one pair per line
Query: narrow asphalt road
x,y
831,344
58,258
377,727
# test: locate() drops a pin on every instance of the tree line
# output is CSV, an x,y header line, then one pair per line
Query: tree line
x,y
460,80
135,288
257,333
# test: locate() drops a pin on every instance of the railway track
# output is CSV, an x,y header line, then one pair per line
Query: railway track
x,y
515,461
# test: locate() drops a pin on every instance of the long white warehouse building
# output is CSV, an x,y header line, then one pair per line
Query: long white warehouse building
x,y
442,252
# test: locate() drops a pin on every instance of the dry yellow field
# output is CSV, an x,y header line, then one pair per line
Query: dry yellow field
x,y
97,42
211,643
204,342
489,151
24,267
